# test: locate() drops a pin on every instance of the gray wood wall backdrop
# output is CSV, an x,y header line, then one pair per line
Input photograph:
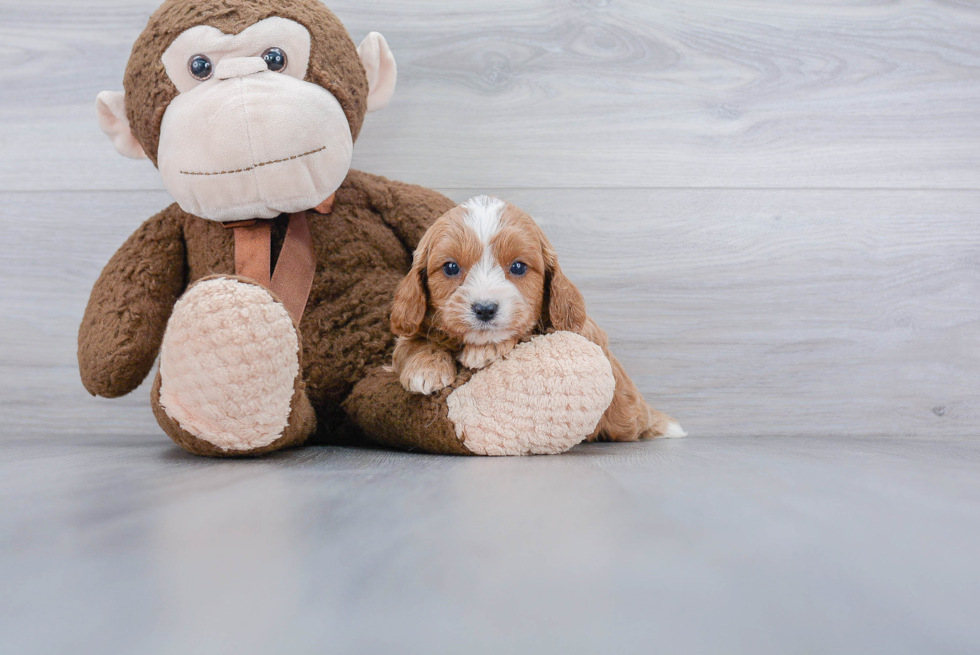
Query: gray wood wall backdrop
x,y
771,205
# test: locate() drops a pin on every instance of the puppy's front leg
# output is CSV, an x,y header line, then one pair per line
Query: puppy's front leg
x,y
422,366
481,356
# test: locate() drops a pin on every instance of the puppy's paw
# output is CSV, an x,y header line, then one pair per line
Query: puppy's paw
x,y
426,373
480,356
476,357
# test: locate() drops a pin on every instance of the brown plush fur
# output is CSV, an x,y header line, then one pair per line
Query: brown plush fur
x,y
362,249
388,414
128,309
334,63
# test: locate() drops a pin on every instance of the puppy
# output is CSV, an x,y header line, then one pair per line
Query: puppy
x,y
483,278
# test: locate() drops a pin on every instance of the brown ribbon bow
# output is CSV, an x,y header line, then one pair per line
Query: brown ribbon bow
x,y
292,280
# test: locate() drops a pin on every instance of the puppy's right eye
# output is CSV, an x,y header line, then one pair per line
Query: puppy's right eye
x,y
451,269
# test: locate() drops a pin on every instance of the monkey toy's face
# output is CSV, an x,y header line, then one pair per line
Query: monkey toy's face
x,y
246,129
247,137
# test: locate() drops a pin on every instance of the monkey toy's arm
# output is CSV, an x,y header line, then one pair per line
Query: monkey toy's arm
x,y
407,209
128,310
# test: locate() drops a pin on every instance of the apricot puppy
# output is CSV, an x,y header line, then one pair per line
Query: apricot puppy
x,y
483,278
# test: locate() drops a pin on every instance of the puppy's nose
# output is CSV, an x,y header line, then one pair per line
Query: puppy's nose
x,y
485,311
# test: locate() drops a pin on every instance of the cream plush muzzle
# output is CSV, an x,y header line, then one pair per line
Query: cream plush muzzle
x,y
253,146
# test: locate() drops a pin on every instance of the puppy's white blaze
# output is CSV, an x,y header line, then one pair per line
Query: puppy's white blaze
x,y
487,282
483,215
674,431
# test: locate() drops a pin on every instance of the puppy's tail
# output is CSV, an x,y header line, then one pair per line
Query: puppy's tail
x,y
660,425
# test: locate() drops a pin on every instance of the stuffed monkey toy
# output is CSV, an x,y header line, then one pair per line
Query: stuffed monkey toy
x,y
266,288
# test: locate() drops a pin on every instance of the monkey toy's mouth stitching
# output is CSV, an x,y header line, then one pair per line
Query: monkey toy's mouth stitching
x,y
265,163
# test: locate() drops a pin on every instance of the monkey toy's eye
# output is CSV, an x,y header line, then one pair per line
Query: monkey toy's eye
x,y
275,58
518,268
451,269
200,67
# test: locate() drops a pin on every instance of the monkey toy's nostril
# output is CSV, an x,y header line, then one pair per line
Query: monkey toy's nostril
x,y
485,311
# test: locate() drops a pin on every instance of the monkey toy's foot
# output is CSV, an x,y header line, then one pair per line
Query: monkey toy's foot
x,y
229,381
544,397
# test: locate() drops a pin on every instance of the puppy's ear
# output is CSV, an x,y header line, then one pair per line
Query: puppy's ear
x,y
564,304
408,310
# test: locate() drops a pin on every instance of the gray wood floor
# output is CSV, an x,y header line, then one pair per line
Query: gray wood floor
x,y
772,207
707,545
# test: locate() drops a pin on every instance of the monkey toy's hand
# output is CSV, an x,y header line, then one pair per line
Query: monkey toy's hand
x,y
128,309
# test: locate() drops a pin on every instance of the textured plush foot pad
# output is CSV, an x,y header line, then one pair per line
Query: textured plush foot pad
x,y
228,364
546,396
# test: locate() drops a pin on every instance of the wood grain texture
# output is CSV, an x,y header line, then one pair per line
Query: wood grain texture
x,y
740,312
701,545
548,93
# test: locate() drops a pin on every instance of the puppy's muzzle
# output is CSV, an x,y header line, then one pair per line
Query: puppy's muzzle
x,y
485,311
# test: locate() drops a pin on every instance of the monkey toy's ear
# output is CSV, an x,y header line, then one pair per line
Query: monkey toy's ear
x,y
379,64
111,106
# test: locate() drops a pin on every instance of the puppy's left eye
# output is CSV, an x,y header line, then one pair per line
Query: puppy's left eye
x,y
451,269
518,268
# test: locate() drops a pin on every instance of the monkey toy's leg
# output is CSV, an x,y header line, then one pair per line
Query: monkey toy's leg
x,y
230,373
546,396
